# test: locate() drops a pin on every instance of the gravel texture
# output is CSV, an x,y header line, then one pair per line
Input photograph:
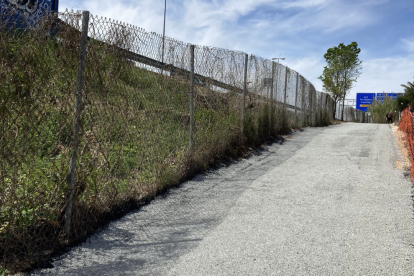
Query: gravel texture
x,y
329,201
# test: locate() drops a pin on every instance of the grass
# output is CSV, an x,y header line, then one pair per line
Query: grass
x,y
134,138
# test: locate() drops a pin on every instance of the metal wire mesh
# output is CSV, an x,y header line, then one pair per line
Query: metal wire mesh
x,y
351,114
37,76
136,123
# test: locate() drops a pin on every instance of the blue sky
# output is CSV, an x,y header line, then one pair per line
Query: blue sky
x,y
299,30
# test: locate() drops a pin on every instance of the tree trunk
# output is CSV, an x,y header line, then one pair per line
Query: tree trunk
x,y
343,107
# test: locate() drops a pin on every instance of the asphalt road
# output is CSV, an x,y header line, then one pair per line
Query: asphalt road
x,y
329,201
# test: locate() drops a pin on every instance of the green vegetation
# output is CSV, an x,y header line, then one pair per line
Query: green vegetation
x,y
343,68
409,91
402,102
379,110
133,139
3,271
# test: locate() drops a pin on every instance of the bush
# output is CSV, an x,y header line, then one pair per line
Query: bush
x,y
379,110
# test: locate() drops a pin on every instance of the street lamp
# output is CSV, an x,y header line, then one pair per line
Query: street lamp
x,y
278,59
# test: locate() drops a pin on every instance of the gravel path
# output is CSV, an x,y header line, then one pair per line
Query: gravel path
x,y
329,201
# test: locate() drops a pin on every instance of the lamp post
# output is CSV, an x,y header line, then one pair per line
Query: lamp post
x,y
278,59
163,35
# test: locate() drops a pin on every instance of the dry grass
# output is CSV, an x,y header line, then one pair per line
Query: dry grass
x,y
403,163
134,138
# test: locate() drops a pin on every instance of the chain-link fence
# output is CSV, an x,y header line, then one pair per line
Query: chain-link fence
x,y
98,115
351,114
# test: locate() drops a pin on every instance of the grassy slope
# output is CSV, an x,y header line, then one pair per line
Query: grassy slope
x,y
133,142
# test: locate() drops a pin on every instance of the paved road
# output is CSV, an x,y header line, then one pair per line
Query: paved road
x,y
329,201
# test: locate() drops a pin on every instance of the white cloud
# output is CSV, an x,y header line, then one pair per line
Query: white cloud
x,y
310,68
304,3
268,28
328,17
215,23
378,75
385,74
408,44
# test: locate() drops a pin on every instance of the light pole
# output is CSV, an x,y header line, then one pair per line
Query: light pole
x,y
163,36
278,59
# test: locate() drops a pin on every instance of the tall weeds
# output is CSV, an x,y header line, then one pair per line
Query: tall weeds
x,y
134,130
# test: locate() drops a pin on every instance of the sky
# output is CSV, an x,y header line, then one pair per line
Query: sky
x,y
301,31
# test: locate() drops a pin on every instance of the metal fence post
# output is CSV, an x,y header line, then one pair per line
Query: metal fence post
x,y
321,108
277,80
191,143
71,178
284,96
310,107
303,104
246,59
338,107
315,107
271,98
296,95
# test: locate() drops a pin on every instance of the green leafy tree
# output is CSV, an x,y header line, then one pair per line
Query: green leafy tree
x,y
402,101
342,70
409,91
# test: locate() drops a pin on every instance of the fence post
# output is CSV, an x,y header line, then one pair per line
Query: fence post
x,y
321,108
246,59
296,95
340,112
310,107
303,102
271,98
338,108
191,100
71,177
315,107
277,80
284,96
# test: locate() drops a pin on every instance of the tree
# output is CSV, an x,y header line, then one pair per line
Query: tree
x,y
342,70
409,91
402,102
334,84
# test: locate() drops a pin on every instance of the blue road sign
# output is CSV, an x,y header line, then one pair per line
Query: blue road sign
x,y
381,96
364,101
30,10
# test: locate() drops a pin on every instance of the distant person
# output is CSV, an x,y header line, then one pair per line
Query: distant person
x,y
390,115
